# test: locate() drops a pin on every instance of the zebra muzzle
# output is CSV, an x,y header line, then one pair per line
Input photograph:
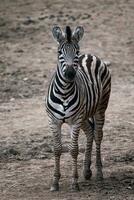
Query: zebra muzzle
x,y
70,73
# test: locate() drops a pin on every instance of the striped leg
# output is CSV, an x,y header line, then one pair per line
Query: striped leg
x,y
88,129
56,130
74,153
100,118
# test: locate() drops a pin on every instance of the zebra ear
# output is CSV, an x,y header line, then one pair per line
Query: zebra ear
x,y
78,33
57,34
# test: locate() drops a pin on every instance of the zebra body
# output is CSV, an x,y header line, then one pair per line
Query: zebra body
x,y
79,100
78,95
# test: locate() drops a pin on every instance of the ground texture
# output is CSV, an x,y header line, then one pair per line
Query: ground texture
x,y
27,62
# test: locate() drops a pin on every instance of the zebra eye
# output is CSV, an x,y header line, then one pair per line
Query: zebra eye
x,y
77,52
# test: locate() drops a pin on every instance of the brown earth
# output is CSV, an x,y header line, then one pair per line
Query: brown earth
x,y
27,61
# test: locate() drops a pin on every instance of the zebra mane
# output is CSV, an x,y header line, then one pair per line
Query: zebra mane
x,y
68,33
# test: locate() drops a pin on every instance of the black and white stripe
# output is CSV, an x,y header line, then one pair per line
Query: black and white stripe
x,y
65,98
78,95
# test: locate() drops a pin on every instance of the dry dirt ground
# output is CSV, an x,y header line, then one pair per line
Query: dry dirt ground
x,y
27,61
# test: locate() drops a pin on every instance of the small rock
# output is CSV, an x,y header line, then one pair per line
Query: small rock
x,y
86,16
129,42
12,99
72,18
29,21
129,187
13,152
46,148
25,79
19,51
8,89
60,12
42,156
51,16
43,17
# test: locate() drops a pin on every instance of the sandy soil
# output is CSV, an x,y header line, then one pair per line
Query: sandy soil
x,y
27,61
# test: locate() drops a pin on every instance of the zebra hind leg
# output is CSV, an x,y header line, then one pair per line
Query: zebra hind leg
x,y
88,130
98,138
56,130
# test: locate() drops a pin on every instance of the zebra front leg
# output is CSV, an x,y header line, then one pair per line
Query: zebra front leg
x,y
56,130
98,138
88,130
74,150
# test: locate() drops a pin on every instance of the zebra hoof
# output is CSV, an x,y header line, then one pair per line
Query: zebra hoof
x,y
54,188
75,187
87,174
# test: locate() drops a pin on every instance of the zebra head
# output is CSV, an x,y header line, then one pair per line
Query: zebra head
x,y
68,50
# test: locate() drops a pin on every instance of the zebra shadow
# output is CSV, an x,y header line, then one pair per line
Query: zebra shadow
x,y
115,183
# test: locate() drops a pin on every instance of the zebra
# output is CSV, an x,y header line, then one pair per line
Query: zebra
x,y
78,95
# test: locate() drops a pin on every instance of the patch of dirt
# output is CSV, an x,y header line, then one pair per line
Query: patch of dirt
x,y
27,62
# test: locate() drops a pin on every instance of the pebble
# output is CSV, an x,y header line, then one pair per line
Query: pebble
x,y
25,79
28,21
12,99
129,187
